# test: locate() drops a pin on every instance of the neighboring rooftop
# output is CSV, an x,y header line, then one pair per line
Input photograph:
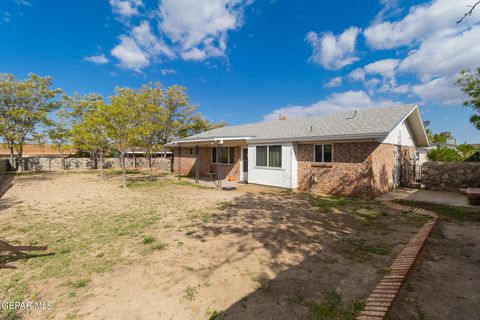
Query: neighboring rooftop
x,y
37,150
365,123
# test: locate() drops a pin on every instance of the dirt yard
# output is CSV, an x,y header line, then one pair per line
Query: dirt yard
x,y
445,281
165,249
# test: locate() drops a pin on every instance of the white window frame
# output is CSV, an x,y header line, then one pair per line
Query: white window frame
x,y
228,163
323,151
268,155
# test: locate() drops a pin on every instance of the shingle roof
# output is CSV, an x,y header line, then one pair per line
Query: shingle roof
x,y
367,122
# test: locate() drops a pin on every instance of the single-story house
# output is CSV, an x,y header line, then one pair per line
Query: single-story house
x,y
361,153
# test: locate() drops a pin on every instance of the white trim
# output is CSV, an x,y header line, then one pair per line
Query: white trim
x,y
323,152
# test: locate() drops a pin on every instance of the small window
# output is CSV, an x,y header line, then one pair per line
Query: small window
x,y
323,153
227,155
191,151
262,156
269,156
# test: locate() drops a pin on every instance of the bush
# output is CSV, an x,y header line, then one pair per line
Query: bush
x,y
441,153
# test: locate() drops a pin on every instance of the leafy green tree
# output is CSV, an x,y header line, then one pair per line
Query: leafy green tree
x,y
24,110
59,136
199,124
442,153
429,135
123,121
443,137
87,134
469,82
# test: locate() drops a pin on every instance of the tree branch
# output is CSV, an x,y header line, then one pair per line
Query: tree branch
x,y
469,13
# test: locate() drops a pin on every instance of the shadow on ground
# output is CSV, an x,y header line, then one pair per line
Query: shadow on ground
x,y
315,246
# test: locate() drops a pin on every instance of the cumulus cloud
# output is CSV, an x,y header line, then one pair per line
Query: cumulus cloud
x,y
386,67
421,22
334,52
344,101
186,29
444,54
334,82
126,8
130,54
98,59
440,89
199,27
357,75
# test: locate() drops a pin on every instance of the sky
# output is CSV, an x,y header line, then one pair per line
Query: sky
x,y
253,60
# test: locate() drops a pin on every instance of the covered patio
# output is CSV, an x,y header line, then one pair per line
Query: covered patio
x,y
213,162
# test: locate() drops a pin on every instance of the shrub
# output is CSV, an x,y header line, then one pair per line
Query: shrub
x,y
441,153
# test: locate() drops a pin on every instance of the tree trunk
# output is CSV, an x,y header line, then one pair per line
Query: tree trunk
x,y
101,163
20,159
12,158
124,170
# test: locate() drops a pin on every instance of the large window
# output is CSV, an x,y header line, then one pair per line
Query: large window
x,y
227,155
269,156
323,153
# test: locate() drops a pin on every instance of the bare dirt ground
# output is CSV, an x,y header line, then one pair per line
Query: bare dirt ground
x,y
445,283
165,249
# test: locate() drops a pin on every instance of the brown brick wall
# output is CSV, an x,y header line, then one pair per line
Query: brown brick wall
x,y
205,163
358,169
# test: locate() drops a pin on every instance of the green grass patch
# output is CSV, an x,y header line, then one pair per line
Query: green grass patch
x,y
148,239
189,293
446,212
331,308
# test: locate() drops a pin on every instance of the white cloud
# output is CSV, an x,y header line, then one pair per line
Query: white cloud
x,y
199,27
130,54
334,52
357,75
444,54
440,89
421,22
385,67
167,71
145,38
98,59
126,8
334,82
344,101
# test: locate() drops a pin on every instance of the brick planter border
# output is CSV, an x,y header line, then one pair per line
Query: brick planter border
x,y
384,294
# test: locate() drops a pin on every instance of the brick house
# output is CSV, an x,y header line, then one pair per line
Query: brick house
x,y
359,153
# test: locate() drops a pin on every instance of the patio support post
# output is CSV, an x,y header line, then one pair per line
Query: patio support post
x,y
197,167
219,183
179,162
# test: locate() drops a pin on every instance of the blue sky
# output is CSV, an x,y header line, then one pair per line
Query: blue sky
x,y
246,61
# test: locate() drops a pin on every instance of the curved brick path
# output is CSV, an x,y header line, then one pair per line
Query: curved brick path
x,y
382,297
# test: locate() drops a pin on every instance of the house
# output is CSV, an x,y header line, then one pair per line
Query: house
x,y
361,153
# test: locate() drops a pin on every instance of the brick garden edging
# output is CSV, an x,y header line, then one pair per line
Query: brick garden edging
x,y
384,294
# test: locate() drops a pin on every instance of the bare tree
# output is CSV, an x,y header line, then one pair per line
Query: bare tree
x,y
469,13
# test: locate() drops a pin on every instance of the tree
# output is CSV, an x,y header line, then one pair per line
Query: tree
x,y
443,137
178,113
59,136
469,82
123,122
81,112
24,108
430,135
199,124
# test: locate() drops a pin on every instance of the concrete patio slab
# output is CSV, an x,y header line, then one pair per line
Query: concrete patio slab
x,y
441,197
